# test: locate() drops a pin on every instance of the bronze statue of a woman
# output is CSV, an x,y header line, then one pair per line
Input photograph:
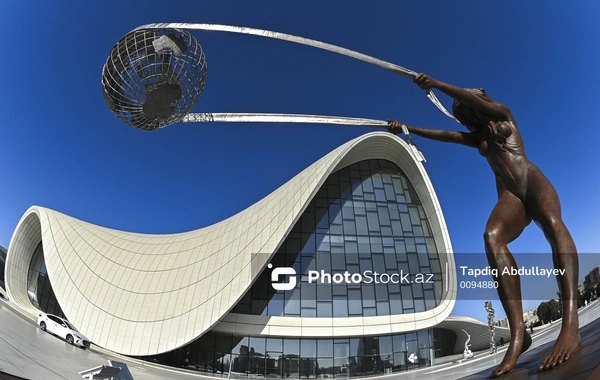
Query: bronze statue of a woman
x,y
524,194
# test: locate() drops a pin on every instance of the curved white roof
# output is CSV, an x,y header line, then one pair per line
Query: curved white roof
x,y
141,294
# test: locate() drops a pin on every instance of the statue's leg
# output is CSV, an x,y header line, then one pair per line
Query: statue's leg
x,y
506,223
544,206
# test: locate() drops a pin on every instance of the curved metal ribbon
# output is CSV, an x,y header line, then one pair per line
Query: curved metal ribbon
x,y
280,118
208,117
304,41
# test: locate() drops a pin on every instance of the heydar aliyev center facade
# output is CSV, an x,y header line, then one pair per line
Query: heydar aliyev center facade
x,y
361,229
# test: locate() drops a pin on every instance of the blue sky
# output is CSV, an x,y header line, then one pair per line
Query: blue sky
x,y
63,149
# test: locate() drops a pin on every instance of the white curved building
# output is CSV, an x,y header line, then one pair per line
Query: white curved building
x,y
366,206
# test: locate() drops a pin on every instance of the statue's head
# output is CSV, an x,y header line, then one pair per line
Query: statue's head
x,y
468,116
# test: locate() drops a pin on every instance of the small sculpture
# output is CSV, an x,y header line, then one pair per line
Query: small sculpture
x,y
467,353
491,313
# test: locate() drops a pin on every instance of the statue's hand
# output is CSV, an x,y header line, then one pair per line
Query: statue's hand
x,y
394,126
425,81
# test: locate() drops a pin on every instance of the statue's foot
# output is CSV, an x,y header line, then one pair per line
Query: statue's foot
x,y
567,343
515,349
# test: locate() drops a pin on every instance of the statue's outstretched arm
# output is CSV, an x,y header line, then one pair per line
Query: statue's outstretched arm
x,y
456,137
483,103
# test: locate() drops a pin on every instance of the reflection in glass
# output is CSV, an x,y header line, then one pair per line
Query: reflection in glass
x,y
39,288
366,217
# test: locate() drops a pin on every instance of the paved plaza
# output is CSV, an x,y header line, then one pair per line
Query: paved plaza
x,y
29,353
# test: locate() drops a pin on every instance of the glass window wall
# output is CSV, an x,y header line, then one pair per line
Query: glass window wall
x,y
39,288
248,356
366,219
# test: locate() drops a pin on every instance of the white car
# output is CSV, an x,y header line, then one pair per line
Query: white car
x,y
62,328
